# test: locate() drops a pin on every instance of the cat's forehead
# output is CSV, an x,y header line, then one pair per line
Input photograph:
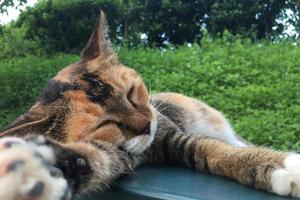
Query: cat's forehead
x,y
98,68
68,73
98,84
71,72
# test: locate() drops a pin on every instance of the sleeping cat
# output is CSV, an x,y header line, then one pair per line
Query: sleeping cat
x,y
96,121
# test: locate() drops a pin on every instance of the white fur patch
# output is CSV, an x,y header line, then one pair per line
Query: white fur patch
x,y
286,181
12,139
45,151
206,128
140,143
59,188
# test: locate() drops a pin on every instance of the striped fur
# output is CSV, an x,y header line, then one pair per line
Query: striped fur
x,y
251,166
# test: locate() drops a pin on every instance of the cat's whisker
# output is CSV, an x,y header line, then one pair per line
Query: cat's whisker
x,y
166,89
153,101
158,106
157,83
150,88
155,104
54,107
161,110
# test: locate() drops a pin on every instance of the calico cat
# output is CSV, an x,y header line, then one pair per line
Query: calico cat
x,y
96,121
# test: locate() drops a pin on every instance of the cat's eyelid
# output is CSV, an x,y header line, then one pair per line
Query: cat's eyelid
x,y
106,120
103,123
130,92
129,97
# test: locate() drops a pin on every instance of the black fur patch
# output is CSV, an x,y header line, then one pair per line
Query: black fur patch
x,y
55,90
166,146
67,161
98,91
171,111
191,157
177,150
182,147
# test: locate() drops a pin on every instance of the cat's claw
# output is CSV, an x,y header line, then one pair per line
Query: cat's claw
x,y
27,171
286,181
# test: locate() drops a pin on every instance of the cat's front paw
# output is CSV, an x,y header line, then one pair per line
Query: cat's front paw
x,y
27,171
286,181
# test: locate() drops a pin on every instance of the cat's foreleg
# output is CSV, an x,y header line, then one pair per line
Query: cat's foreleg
x,y
40,169
261,168
92,166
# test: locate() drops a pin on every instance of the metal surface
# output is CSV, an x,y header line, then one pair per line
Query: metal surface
x,y
179,184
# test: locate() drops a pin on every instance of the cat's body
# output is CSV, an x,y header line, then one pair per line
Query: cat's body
x,y
100,122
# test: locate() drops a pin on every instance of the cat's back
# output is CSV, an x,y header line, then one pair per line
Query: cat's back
x,y
184,110
194,116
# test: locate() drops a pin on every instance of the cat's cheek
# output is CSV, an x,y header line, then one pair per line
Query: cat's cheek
x,y
108,133
138,144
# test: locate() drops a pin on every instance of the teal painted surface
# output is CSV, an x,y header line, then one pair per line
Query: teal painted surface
x,y
174,183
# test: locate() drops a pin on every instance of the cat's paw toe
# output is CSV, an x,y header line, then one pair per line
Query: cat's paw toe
x,y
286,181
8,142
27,171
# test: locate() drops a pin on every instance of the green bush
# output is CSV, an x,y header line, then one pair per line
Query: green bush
x,y
14,44
256,85
21,81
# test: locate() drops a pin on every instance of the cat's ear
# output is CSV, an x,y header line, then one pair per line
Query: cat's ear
x,y
33,120
99,44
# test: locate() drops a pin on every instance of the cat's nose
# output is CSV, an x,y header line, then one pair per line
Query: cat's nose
x,y
139,123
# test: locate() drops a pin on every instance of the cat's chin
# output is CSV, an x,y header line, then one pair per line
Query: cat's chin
x,y
140,143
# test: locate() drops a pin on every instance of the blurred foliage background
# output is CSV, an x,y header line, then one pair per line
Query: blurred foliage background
x,y
64,26
240,56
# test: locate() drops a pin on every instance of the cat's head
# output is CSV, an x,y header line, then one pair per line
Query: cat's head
x,y
96,98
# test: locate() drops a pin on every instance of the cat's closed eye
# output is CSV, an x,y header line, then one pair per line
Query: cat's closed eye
x,y
104,123
130,97
121,126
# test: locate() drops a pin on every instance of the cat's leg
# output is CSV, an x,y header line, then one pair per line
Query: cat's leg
x,y
261,168
27,171
93,165
196,117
